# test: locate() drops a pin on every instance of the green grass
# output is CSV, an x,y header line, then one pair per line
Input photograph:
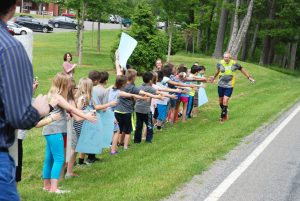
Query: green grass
x,y
153,171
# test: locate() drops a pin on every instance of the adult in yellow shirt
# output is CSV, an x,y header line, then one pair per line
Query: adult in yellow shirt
x,y
226,71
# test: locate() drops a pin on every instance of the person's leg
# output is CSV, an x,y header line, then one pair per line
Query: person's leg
x,y
149,126
70,166
189,107
114,142
227,95
48,163
221,93
8,188
57,149
20,161
184,108
176,111
139,127
81,158
127,129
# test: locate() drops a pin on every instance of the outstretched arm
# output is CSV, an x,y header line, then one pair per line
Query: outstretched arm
x,y
247,75
71,109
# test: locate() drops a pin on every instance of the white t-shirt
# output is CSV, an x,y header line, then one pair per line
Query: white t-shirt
x,y
166,99
165,81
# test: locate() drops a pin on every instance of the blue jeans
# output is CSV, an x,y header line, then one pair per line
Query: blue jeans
x,y
55,158
190,107
8,190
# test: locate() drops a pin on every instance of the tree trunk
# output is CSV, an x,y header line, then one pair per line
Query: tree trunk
x,y
264,58
293,55
170,40
235,27
242,31
271,51
200,30
98,37
81,33
218,52
209,29
93,34
244,48
286,57
78,32
253,43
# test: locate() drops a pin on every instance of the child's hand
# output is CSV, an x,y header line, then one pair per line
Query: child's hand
x,y
160,97
173,97
56,116
113,103
91,117
146,98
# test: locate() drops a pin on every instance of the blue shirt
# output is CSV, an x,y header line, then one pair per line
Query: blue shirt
x,y
16,79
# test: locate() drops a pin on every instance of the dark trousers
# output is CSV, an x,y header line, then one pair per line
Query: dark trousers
x,y
140,120
20,161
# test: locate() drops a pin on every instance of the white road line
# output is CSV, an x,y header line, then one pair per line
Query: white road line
x,y
223,187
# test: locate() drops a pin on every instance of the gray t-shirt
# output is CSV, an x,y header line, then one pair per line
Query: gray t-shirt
x,y
100,95
227,77
126,105
59,126
143,106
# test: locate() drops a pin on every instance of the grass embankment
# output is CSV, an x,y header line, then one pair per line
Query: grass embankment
x,y
153,171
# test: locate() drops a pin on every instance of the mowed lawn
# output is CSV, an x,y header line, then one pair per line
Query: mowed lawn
x,y
153,171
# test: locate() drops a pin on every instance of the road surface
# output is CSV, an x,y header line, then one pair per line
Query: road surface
x,y
272,175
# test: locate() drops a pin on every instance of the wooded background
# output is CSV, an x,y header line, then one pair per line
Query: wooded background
x,y
258,31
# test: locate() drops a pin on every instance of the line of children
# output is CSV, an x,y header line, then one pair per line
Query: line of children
x,y
166,87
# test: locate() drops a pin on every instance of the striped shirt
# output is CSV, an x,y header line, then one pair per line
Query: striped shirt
x,y
16,79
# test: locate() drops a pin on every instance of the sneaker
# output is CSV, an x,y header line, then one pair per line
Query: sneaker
x,y
71,176
114,153
80,165
46,189
89,161
58,191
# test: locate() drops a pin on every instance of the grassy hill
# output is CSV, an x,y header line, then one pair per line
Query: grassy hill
x,y
153,171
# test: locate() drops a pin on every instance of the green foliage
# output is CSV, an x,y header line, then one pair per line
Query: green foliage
x,y
151,43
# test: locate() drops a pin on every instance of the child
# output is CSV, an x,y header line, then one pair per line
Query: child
x,y
184,98
197,73
162,105
171,81
114,94
125,106
143,113
22,133
54,160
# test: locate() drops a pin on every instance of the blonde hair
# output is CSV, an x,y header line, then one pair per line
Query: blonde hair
x,y
130,74
85,87
60,85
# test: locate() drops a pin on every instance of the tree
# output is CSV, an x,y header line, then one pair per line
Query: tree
x,y
238,37
175,10
218,52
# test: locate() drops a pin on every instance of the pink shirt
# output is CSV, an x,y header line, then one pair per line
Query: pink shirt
x,y
67,66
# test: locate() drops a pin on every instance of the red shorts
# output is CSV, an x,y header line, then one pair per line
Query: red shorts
x,y
184,99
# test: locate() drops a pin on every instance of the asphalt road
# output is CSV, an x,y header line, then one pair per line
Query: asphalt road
x,y
87,25
273,176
